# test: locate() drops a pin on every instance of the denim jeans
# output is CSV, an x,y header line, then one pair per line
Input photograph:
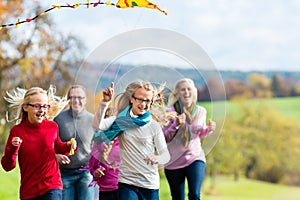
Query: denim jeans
x,y
131,192
194,173
76,183
54,194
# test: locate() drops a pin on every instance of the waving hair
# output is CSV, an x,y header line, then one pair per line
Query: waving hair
x,y
157,108
19,97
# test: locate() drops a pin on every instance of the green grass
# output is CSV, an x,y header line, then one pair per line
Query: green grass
x,y
244,189
9,184
225,188
288,107
228,189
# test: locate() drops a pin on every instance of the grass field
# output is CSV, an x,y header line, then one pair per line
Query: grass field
x,y
225,187
288,107
9,184
244,189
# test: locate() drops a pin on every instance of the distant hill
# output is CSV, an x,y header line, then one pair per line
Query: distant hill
x,y
98,76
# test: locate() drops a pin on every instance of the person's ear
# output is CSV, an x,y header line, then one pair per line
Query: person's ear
x,y
130,100
24,107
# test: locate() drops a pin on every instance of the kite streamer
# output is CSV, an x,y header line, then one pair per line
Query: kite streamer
x,y
120,4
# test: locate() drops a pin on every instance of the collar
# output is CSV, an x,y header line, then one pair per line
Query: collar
x,y
77,114
132,115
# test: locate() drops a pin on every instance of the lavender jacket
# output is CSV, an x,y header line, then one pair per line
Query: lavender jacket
x,y
182,156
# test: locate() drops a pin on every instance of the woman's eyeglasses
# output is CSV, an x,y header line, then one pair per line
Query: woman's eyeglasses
x,y
39,106
76,97
139,100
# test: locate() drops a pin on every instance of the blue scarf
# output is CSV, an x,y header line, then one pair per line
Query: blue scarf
x,y
122,122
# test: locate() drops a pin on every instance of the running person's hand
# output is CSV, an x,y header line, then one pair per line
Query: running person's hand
x,y
151,160
211,125
181,119
16,141
99,172
108,93
62,159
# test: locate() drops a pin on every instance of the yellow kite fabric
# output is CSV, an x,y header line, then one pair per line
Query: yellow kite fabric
x,y
138,3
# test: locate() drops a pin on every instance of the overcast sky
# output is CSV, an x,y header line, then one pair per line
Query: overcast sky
x,y
235,34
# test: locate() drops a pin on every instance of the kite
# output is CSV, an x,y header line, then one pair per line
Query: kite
x,y
88,4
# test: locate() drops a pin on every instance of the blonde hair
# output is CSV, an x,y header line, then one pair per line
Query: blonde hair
x,y
173,98
122,100
19,97
157,107
107,149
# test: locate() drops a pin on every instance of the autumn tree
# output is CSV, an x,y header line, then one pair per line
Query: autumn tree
x,y
235,89
280,86
212,90
259,85
296,90
35,53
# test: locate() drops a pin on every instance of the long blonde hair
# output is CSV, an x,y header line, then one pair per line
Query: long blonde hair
x,y
19,97
157,108
173,98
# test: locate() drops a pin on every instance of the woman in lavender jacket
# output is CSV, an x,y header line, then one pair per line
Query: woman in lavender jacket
x,y
183,135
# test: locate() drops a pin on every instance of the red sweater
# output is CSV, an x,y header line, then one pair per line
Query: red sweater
x,y
36,156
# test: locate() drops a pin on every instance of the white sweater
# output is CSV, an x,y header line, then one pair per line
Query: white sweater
x,y
135,145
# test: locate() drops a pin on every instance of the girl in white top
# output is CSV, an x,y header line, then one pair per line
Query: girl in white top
x,y
142,142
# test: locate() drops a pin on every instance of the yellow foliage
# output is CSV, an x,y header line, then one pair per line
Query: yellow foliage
x,y
25,64
8,8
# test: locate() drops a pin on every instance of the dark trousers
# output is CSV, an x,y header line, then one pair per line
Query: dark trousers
x,y
111,195
55,194
131,192
194,173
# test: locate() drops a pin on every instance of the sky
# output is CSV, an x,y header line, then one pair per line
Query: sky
x,y
235,34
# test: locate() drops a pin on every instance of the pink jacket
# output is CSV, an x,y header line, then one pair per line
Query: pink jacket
x,y
182,156
109,181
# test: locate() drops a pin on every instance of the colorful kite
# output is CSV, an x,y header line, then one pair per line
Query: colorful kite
x,y
120,4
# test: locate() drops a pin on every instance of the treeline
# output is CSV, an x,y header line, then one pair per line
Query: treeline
x,y
235,84
255,86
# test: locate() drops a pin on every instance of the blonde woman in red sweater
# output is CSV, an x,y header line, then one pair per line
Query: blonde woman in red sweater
x,y
35,140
